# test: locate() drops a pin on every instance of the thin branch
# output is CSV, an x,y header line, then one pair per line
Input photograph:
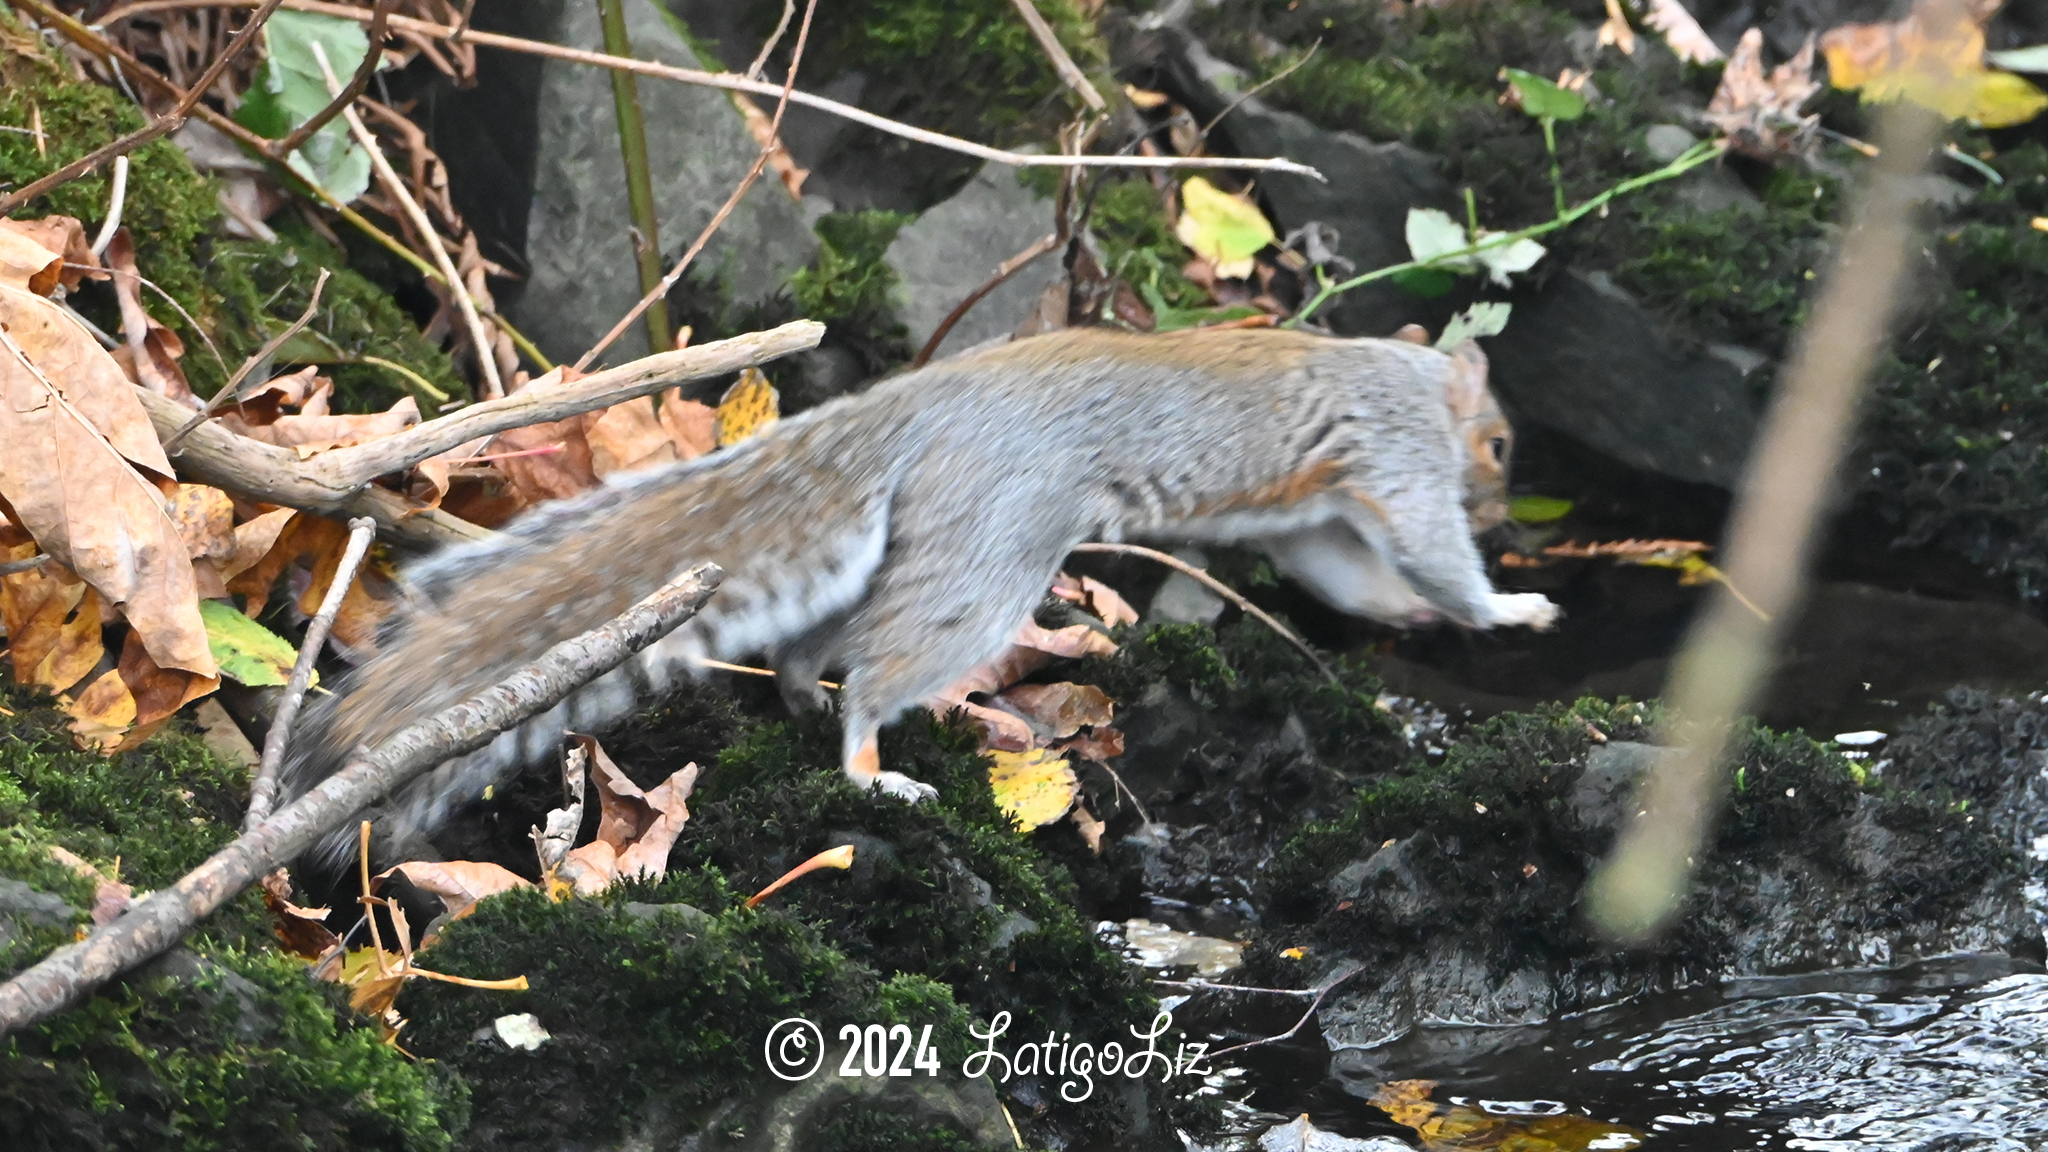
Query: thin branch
x,y
1049,41
1221,589
1255,89
158,921
115,203
169,122
1004,271
774,38
1350,969
736,83
263,790
304,132
660,290
487,362
231,391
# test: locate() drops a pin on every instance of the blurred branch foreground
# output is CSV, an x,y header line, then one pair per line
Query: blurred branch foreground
x,y
1788,485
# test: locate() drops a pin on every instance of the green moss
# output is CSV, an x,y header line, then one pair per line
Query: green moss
x,y
1138,243
850,281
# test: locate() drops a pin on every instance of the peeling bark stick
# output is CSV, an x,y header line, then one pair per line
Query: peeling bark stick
x,y
160,920
338,482
263,790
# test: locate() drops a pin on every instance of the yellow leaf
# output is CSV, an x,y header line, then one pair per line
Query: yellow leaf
x,y
1935,58
1033,788
747,407
1224,228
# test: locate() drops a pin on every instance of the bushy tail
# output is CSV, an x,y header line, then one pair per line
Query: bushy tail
x,y
813,532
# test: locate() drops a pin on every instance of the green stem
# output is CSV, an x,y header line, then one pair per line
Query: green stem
x,y
1556,176
639,182
1695,156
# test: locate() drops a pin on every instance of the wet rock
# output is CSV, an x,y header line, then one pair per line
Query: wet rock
x,y
578,237
954,247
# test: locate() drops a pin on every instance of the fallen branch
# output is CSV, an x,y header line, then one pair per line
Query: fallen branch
x,y
263,790
157,922
337,483
169,122
733,82
1049,43
1221,589
1322,991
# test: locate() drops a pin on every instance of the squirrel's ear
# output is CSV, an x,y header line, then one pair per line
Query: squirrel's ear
x,y
1412,333
1465,389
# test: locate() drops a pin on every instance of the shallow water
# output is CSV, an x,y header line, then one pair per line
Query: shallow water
x,y
1946,1056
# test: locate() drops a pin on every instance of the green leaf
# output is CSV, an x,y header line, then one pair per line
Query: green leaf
x,y
1541,98
1428,283
1485,318
1224,228
1537,509
1432,235
245,650
289,88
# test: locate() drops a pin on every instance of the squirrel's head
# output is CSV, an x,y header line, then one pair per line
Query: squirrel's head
x,y
1483,432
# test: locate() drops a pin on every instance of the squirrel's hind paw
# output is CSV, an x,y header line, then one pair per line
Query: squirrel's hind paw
x,y
1530,608
903,787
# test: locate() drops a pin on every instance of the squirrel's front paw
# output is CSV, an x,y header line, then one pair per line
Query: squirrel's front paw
x,y
904,788
1530,608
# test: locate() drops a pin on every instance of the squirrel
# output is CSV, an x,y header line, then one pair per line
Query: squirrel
x,y
901,534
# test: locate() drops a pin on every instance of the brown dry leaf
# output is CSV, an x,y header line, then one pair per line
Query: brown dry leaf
x,y
1683,33
254,540
1935,58
691,425
1758,114
761,127
635,829
153,350
1090,828
65,236
127,705
750,405
205,518
302,931
52,620
1032,648
110,897
1075,640
1615,30
305,390
1057,711
1100,744
1001,731
304,536
74,428
310,435
459,883
1096,597
566,469
1456,1127
629,435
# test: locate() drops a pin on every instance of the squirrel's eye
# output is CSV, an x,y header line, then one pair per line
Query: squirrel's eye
x,y
1499,447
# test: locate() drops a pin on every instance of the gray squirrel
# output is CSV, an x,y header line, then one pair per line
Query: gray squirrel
x,y
903,533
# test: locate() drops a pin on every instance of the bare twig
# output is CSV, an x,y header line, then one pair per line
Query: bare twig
x,y
1350,969
230,392
263,790
487,361
1004,271
774,38
167,123
1255,89
1785,489
737,83
304,132
117,201
160,920
1223,590
660,290
1049,41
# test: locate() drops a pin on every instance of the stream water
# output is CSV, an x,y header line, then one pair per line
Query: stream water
x,y
1945,1056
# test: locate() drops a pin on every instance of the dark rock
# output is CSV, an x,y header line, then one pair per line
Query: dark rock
x,y
18,901
1608,785
955,246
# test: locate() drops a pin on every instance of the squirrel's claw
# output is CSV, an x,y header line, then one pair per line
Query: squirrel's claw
x,y
903,787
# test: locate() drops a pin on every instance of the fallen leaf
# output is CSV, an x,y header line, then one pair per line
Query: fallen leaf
x,y
52,620
1097,597
254,540
310,435
458,883
1616,31
320,541
68,454
549,475
126,705
205,519
1758,114
750,405
1455,1127
761,127
246,651
1034,788
63,236
522,1031
692,426
301,931
1225,228
635,829
153,350
629,435
305,390
1934,58
1681,32
1100,744
1057,711
1090,828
